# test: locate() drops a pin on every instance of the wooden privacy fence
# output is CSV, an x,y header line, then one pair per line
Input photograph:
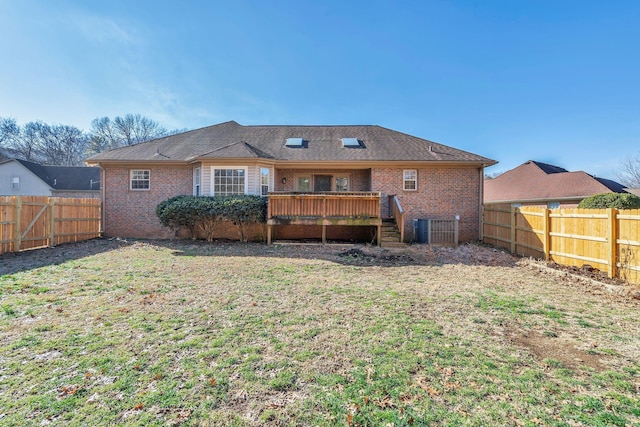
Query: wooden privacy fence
x,y
606,239
28,222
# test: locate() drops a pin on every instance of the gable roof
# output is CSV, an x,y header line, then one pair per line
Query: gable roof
x,y
321,143
68,178
533,181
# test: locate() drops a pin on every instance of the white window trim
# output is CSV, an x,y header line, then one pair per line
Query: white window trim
x,y
260,184
197,181
246,176
131,171
405,180
15,180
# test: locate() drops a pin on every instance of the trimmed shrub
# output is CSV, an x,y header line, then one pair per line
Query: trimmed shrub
x,y
199,214
178,212
243,210
611,200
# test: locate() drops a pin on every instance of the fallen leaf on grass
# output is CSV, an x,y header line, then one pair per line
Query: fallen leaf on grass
x,y
350,420
384,403
138,407
68,391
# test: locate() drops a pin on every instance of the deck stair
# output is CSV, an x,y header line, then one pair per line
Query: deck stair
x,y
390,235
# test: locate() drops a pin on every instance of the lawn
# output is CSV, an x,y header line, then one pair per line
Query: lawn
x,y
113,332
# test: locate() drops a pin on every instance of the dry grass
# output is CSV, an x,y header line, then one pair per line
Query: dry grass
x,y
147,333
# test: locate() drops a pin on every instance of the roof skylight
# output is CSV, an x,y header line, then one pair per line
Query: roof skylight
x,y
351,143
294,142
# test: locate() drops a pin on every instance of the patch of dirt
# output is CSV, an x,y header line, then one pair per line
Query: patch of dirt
x,y
557,348
588,280
377,256
469,254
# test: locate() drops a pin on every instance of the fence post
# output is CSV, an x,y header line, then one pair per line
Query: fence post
x,y
612,237
513,229
52,222
17,232
547,235
482,221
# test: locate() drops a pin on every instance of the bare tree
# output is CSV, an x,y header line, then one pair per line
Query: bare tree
x,y
9,130
27,144
102,136
50,144
130,129
62,145
629,173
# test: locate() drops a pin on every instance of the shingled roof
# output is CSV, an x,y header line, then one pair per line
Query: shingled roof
x,y
321,143
67,178
533,181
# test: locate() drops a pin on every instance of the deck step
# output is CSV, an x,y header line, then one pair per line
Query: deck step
x,y
389,234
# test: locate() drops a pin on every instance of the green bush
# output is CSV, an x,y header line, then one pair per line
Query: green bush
x,y
199,214
611,200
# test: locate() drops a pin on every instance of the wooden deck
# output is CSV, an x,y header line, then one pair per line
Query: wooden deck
x,y
324,209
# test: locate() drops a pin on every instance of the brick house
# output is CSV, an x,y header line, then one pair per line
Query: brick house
x,y
328,182
540,184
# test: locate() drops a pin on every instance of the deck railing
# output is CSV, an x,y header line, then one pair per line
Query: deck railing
x,y
324,205
398,215
324,209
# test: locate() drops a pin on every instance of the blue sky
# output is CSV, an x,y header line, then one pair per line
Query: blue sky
x,y
554,81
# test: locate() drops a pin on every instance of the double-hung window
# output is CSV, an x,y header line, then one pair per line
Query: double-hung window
x,y
15,183
264,181
196,181
229,181
410,179
140,179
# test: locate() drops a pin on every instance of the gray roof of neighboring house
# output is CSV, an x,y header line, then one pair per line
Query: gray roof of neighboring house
x,y
67,178
321,143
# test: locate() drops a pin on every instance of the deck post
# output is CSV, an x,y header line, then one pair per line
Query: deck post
x,y
269,234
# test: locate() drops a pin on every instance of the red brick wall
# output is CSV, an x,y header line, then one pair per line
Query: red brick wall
x,y
131,213
229,231
442,193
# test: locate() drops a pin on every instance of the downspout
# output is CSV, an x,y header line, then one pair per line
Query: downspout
x,y
103,191
480,201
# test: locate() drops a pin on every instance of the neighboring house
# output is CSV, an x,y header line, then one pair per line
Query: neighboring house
x,y
320,180
540,184
23,178
635,191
